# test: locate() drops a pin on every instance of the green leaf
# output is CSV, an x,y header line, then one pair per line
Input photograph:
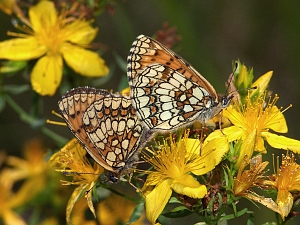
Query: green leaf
x,y
179,211
174,200
95,195
250,220
16,89
123,83
121,62
137,213
2,103
238,214
100,81
12,66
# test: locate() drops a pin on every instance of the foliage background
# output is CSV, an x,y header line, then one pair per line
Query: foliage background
x,y
262,34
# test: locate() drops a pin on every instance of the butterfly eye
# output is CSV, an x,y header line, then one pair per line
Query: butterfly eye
x,y
226,100
111,178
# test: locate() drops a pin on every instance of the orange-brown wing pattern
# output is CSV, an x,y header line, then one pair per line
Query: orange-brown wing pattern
x,y
113,128
166,100
105,124
167,92
146,51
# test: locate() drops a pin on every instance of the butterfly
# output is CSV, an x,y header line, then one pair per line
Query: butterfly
x,y
167,92
106,126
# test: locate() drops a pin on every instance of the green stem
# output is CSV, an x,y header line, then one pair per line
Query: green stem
x,y
60,140
25,117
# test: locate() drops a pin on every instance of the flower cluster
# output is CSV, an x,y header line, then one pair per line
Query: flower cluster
x,y
206,170
53,38
32,171
186,163
200,169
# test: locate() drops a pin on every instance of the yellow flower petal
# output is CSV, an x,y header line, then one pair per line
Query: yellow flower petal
x,y
80,32
260,145
21,49
28,190
85,62
7,6
276,121
89,199
126,91
261,83
243,80
278,141
47,74
234,116
188,186
157,199
211,155
247,148
193,146
285,202
268,202
73,199
42,15
231,133
12,218
153,178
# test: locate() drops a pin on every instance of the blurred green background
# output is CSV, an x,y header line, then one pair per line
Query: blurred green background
x,y
262,34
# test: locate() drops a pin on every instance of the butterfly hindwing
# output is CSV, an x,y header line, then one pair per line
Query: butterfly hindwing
x,y
165,99
72,106
113,128
105,124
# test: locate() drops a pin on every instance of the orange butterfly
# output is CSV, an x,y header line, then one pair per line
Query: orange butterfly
x,y
106,126
166,91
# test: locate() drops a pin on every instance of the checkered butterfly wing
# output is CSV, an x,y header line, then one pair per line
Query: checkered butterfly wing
x,y
106,126
146,51
171,101
167,92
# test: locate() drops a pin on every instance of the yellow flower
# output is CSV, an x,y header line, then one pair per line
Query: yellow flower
x,y
72,156
53,38
243,77
261,85
174,164
8,201
247,178
7,6
79,217
252,124
33,168
116,210
286,180
243,83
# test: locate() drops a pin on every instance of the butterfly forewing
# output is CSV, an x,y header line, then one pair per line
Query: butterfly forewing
x,y
146,51
105,124
167,92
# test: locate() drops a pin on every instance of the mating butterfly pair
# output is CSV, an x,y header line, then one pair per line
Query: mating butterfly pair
x,y
166,93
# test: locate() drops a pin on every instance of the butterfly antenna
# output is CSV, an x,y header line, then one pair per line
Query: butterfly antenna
x,y
244,89
231,76
56,122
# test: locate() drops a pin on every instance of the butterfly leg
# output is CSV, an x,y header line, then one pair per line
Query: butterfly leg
x,y
135,187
